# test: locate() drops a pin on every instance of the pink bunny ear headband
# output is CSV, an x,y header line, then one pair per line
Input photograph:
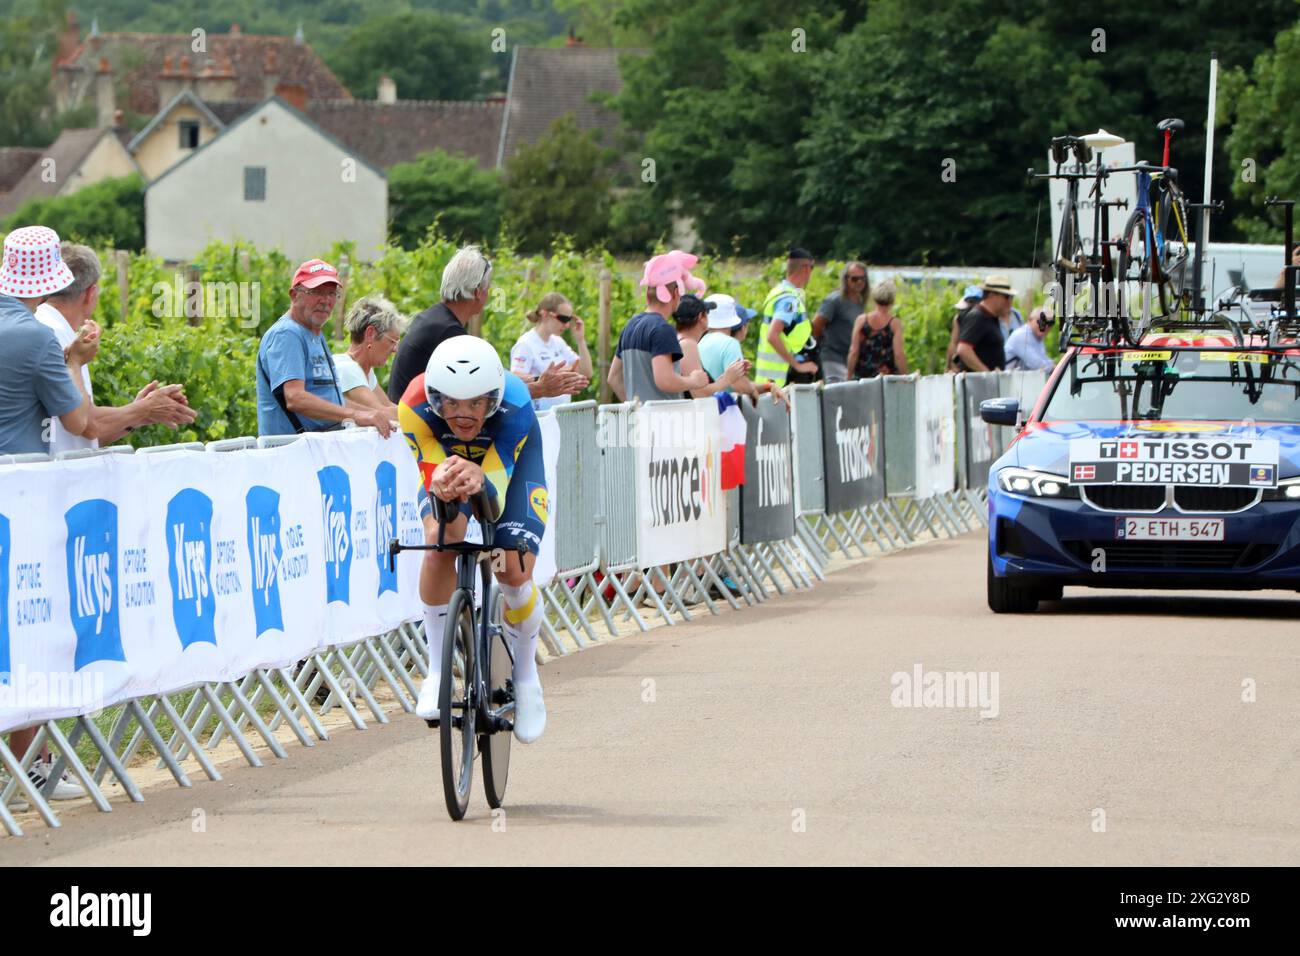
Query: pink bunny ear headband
x,y
669,269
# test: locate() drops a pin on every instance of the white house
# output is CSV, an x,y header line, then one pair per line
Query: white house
x,y
275,179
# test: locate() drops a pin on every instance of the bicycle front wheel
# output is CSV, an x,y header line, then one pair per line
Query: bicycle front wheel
x,y
494,745
1137,297
1171,214
456,704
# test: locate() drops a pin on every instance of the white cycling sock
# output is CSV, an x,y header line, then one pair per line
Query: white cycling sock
x,y
523,621
435,617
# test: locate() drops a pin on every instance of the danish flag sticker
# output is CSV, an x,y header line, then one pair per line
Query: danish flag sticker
x,y
1085,472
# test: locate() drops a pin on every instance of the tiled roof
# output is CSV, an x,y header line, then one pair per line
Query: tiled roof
x,y
244,55
385,134
14,162
390,133
546,83
68,153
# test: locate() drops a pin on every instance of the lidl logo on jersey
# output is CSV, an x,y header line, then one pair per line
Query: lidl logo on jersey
x,y
336,512
92,581
385,522
189,566
4,600
264,553
537,500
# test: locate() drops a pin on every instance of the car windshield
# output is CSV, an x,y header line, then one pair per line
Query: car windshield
x,y
1178,385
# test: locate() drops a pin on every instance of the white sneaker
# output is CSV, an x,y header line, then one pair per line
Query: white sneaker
x,y
66,788
530,712
426,706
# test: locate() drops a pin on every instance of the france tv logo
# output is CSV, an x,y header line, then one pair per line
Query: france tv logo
x,y
92,581
264,553
336,511
189,569
385,523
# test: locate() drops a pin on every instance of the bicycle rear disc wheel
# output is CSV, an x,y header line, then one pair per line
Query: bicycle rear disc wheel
x,y
497,668
1137,299
456,705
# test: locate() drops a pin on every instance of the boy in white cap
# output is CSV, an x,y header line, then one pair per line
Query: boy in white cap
x,y
38,380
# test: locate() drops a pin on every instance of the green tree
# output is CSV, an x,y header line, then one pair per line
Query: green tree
x,y
559,185
1264,145
463,200
429,57
110,212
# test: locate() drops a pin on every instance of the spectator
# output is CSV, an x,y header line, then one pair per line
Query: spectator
x,y
969,296
877,347
68,311
833,325
1027,348
39,382
297,385
788,331
691,319
1280,282
374,328
466,281
979,340
720,347
1011,320
542,348
646,363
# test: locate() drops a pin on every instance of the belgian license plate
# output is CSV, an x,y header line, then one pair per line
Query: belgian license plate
x,y
1169,529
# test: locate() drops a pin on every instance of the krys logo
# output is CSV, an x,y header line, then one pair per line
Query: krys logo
x,y
189,568
4,599
336,512
264,553
385,522
92,581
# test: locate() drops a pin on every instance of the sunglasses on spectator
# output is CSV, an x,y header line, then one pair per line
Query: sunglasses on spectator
x,y
566,319
857,278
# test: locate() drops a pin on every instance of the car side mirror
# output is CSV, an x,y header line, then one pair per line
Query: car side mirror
x,y
1001,411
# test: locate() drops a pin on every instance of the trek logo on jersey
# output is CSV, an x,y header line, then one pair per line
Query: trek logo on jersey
x,y
336,512
264,553
92,581
385,523
537,500
189,568
4,600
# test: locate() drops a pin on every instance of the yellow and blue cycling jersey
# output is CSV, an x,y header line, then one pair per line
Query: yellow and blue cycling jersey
x,y
509,450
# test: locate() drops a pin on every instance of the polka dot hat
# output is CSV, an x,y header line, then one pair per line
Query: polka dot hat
x,y
32,264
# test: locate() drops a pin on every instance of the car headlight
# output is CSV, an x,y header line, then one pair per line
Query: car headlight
x,y
1288,489
1035,484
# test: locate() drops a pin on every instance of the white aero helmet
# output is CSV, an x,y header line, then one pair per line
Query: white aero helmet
x,y
464,366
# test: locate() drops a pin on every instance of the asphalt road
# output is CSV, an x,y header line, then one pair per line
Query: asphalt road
x,y
1116,733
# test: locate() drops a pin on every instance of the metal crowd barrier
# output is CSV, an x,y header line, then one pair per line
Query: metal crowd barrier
x,y
601,585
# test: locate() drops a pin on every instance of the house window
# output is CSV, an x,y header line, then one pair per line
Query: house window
x,y
189,134
254,183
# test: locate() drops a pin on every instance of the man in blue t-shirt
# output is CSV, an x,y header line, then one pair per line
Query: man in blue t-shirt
x,y
297,388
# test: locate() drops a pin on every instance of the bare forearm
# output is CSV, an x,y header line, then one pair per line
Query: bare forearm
x,y
112,423
305,403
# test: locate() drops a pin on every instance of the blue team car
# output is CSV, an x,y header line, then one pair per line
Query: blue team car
x,y
1175,464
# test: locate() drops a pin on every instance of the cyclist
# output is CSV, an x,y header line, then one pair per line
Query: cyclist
x,y
472,426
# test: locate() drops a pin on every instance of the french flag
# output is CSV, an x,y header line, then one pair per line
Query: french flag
x,y
732,424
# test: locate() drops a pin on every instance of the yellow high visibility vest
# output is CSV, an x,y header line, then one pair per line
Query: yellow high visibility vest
x,y
769,366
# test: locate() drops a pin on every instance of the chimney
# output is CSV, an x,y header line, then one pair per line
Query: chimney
x,y
69,40
387,92
105,106
295,94
573,40
216,84
168,85
185,75
270,71
235,30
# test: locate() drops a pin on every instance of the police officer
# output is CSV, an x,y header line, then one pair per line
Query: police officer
x,y
786,338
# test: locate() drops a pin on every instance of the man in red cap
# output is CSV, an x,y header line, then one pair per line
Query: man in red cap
x,y
297,386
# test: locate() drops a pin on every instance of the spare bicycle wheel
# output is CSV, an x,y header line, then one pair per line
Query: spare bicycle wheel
x,y
1138,299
